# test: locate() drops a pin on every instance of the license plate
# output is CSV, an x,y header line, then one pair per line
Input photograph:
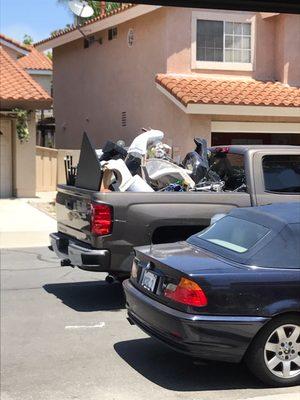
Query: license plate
x,y
149,280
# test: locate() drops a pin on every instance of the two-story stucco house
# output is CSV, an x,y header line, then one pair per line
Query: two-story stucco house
x,y
228,76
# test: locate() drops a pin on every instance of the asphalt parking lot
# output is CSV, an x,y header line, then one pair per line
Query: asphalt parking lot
x,y
65,336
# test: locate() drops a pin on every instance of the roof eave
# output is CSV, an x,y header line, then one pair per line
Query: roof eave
x,y
232,109
30,104
15,46
97,26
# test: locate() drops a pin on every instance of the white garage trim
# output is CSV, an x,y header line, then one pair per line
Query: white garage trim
x,y
259,127
264,111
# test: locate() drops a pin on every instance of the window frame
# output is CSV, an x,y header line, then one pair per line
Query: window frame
x,y
242,17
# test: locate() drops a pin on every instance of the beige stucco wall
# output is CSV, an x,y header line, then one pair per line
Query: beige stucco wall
x,y
92,87
276,49
24,162
264,48
178,45
287,60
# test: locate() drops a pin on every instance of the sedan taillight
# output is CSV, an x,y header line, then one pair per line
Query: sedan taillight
x,y
101,219
187,292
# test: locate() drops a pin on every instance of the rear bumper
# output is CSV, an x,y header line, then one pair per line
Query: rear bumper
x,y
220,338
78,254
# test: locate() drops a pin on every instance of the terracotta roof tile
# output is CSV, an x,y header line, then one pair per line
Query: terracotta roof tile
x,y
16,84
14,42
189,89
35,60
61,32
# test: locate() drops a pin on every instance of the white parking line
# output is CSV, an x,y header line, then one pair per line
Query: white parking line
x,y
281,396
100,325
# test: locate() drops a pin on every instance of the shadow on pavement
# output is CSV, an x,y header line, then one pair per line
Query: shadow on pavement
x,y
175,371
89,296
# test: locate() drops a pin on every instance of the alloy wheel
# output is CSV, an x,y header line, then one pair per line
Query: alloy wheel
x,y
282,351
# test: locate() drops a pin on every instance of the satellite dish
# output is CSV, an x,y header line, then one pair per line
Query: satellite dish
x,y
81,8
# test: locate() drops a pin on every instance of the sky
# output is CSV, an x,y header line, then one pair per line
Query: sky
x,y
36,18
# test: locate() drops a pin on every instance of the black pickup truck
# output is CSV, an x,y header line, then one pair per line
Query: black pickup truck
x,y
97,231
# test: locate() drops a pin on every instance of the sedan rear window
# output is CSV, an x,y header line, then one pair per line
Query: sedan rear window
x,y
234,234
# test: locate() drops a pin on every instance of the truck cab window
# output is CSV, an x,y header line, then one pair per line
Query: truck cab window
x,y
282,173
230,168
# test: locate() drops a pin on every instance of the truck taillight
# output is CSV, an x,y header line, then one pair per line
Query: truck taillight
x,y
186,292
101,219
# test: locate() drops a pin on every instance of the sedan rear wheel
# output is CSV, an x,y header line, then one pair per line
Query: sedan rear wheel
x,y
282,351
274,355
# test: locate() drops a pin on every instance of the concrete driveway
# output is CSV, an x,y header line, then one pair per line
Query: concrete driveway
x,y
22,225
65,336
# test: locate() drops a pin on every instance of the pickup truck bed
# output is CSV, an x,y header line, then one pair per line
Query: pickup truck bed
x,y
158,217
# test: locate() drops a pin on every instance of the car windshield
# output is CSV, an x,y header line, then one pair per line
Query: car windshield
x,y
235,234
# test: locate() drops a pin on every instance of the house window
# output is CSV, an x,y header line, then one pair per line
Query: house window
x,y
222,41
112,33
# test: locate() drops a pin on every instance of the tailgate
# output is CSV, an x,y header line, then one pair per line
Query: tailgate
x,y
73,212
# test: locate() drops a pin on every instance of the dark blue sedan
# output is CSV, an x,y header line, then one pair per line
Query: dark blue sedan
x,y
229,293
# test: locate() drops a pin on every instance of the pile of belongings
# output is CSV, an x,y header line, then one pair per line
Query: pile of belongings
x,y
147,166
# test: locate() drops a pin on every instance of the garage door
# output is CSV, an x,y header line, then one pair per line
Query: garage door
x,y
5,159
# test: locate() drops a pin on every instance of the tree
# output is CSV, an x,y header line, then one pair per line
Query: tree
x,y
95,4
58,31
28,40
109,6
112,5
49,55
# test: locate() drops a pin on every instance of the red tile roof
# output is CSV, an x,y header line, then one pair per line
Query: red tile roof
x,y
61,32
35,60
17,86
14,42
194,89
